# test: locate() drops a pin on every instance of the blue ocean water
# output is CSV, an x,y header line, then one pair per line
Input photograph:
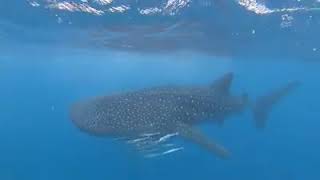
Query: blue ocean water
x,y
51,57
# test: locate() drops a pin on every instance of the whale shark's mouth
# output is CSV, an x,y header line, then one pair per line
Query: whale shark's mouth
x,y
83,115
77,114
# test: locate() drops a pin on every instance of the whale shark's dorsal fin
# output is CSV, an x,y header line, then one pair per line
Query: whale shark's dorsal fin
x,y
223,84
192,134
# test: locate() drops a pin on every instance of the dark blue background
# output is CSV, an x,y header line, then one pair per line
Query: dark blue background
x,y
45,67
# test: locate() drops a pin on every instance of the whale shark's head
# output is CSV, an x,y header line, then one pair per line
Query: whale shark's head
x,y
87,117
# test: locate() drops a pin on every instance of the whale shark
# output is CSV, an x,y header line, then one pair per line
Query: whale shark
x,y
148,117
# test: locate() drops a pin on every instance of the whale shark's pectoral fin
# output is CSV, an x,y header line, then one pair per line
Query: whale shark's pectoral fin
x,y
223,84
197,137
264,104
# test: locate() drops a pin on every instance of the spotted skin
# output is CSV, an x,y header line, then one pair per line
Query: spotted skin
x,y
151,110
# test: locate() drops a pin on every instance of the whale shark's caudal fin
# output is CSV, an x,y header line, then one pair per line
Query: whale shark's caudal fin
x,y
192,134
264,104
222,84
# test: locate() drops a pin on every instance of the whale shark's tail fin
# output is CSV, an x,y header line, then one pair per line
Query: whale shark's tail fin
x,y
264,104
